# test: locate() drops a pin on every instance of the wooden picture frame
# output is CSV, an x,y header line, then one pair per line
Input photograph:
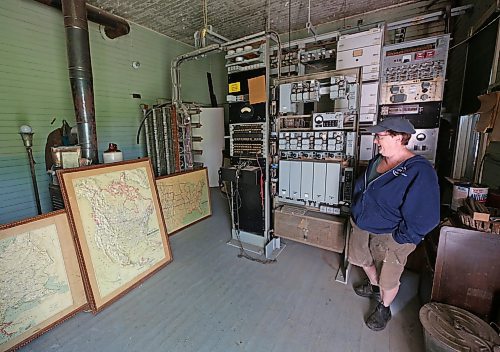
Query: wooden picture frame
x,y
116,216
40,280
185,198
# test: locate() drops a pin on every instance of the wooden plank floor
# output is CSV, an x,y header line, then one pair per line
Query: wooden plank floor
x,y
207,299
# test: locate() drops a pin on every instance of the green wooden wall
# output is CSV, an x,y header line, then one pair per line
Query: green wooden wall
x,y
34,89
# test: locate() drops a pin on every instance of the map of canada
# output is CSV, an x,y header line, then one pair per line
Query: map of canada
x,y
121,227
34,285
184,199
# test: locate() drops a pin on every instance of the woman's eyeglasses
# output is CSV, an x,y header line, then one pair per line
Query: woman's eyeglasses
x,y
379,136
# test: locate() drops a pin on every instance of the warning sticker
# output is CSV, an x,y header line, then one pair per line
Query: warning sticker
x,y
234,87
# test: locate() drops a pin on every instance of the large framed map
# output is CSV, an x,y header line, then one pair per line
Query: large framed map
x,y
184,198
40,280
120,232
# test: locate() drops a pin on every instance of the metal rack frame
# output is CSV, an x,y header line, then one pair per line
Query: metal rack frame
x,y
263,38
344,267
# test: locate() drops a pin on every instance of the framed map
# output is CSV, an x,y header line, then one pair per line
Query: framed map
x,y
40,280
120,232
184,198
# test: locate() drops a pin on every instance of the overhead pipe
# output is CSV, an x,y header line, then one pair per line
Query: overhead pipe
x,y
176,63
175,69
114,26
80,75
244,39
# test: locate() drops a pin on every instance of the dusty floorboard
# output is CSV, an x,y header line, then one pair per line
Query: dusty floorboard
x,y
207,299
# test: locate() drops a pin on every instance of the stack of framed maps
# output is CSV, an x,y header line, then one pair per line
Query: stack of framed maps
x,y
119,229
40,281
111,239
184,198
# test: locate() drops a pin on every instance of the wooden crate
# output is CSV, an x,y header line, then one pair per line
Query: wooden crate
x,y
313,228
485,226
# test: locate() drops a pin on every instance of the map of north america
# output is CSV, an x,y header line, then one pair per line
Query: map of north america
x,y
121,227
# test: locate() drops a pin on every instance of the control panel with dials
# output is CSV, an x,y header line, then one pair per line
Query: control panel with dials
x,y
424,142
414,71
314,149
328,120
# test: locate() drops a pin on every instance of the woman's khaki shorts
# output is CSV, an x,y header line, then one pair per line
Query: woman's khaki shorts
x,y
389,257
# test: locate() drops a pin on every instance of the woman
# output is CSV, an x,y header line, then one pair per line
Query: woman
x,y
395,204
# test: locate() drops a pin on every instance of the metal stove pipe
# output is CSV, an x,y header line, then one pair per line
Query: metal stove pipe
x,y
114,26
80,75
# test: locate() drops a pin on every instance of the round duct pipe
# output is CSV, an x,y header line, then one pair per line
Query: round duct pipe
x,y
80,75
114,26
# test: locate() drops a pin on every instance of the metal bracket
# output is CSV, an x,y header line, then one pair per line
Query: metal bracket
x,y
201,36
434,16
344,265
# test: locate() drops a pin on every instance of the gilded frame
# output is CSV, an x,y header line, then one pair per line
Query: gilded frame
x,y
105,243
59,256
169,205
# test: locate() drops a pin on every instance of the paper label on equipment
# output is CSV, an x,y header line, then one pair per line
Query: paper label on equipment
x,y
234,87
357,52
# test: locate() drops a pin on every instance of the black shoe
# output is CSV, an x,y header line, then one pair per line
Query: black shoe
x,y
367,290
378,319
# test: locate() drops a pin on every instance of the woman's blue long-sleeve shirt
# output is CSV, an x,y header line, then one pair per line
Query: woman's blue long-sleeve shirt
x,y
403,201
